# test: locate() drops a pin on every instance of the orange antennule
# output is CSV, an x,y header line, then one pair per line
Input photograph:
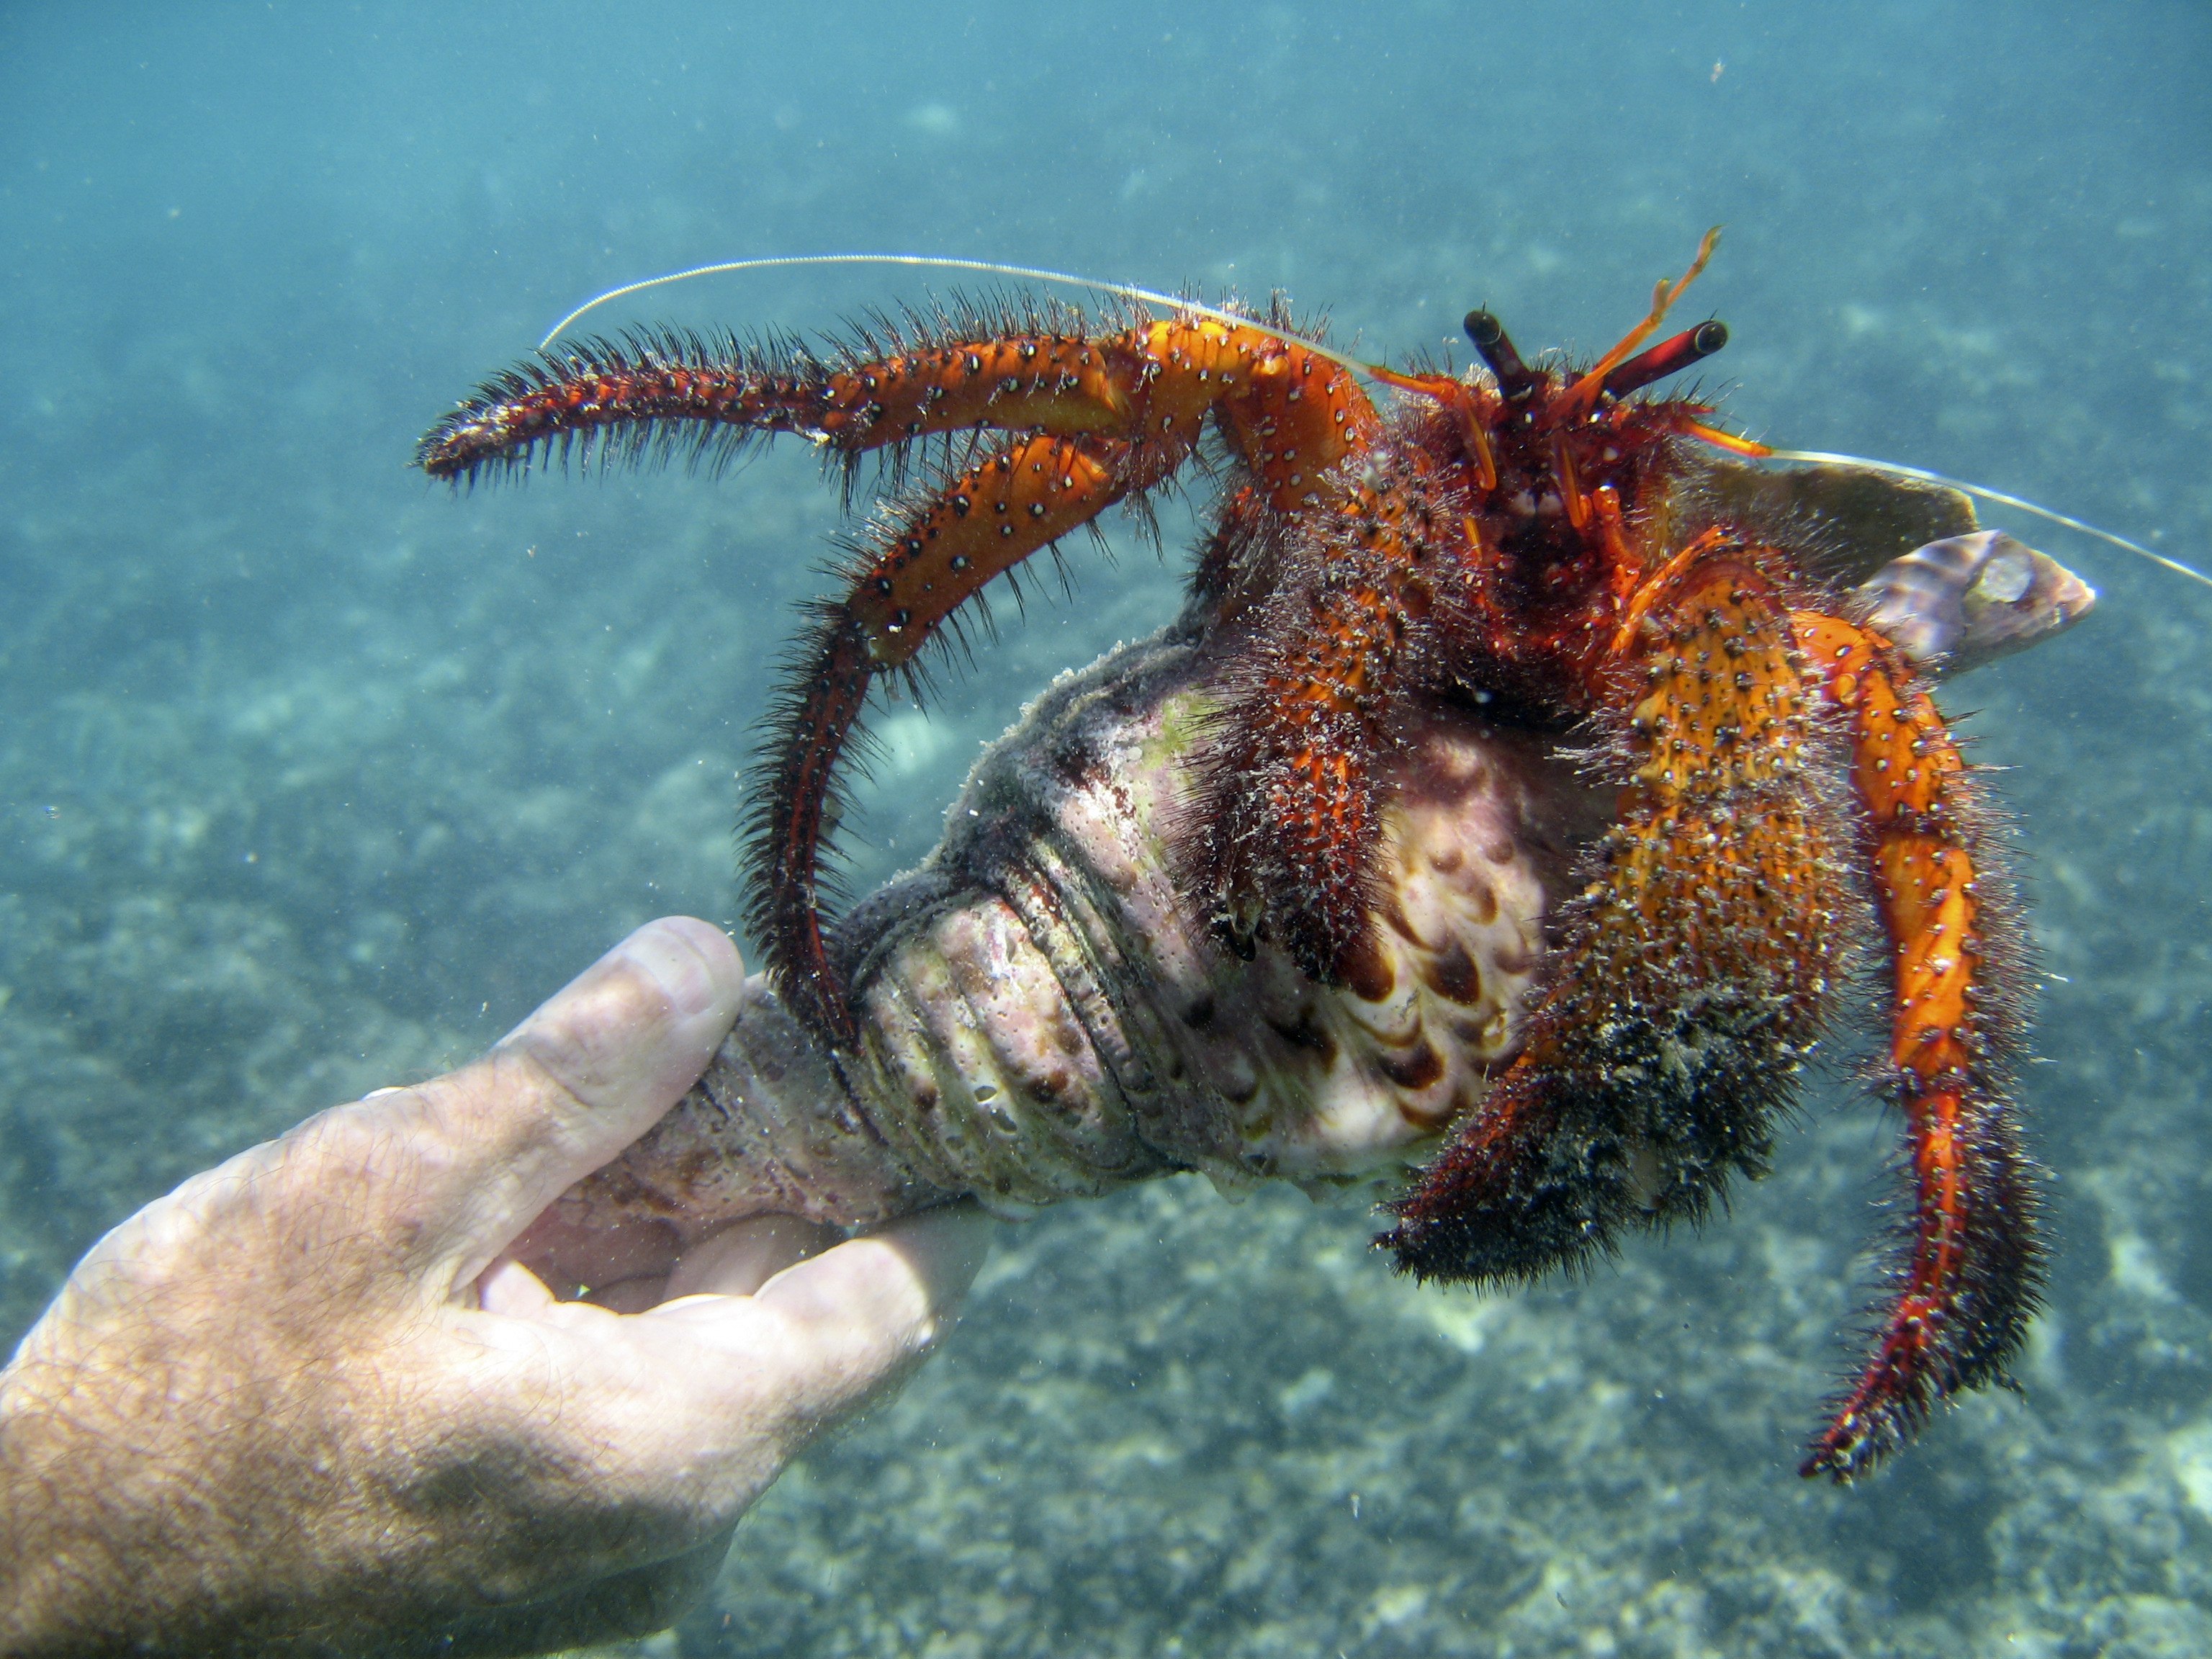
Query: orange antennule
x,y
1577,399
1750,448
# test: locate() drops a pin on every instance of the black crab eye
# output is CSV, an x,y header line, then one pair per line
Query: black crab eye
x,y
1515,378
1668,357
1485,330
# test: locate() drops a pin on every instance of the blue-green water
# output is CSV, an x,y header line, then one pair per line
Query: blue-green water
x,y
312,777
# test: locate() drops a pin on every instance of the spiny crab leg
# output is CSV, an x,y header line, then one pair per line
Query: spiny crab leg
x,y
1288,788
1693,971
1095,419
1973,1272
1689,979
1022,496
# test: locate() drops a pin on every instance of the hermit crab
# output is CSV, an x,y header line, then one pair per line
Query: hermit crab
x,y
1529,776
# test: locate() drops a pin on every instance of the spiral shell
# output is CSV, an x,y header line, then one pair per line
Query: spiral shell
x,y
1965,601
1042,1019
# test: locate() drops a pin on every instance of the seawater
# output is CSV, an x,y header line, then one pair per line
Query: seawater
x,y
313,778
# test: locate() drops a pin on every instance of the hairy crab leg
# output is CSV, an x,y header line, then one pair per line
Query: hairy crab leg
x,y
1694,970
1692,966
928,562
932,558
650,392
1972,1270
1288,805
657,385
1105,417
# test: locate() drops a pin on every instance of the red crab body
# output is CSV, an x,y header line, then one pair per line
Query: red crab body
x,y
1533,541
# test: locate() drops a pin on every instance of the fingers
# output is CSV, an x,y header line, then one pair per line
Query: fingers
x,y
591,1070
629,1271
601,1060
467,1161
513,1291
859,1314
762,1373
696,1404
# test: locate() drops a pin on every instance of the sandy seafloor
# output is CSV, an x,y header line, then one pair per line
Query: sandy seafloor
x,y
313,778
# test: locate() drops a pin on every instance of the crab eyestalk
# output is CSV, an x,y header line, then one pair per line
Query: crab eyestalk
x,y
1668,357
1515,378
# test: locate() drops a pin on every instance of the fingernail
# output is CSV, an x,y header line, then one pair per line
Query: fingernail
x,y
684,976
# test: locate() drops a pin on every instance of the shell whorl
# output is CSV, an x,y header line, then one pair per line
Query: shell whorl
x,y
1965,600
1042,1017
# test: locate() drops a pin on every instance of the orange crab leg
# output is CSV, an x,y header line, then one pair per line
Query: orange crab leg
x,y
1290,410
1150,382
1028,492
1065,383
989,519
1293,413
1690,977
1286,796
1105,417
1969,1281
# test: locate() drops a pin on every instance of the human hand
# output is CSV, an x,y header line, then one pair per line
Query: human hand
x,y
312,1401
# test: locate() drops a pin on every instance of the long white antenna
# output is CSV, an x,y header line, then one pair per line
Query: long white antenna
x,y
1144,295
1829,457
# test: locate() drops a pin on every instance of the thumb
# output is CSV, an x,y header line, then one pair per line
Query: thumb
x,y
821,1336
491,1145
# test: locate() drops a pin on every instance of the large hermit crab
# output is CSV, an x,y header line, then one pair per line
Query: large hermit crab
x,y
1303,884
